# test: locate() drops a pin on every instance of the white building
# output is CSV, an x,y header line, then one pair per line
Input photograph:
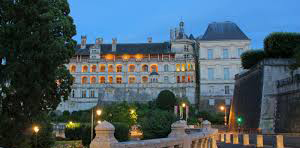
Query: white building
x,y
139,71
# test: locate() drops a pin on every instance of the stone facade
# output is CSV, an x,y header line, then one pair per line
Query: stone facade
x,y
140,71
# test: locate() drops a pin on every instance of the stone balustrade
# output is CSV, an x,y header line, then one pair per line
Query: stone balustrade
x,y
178,138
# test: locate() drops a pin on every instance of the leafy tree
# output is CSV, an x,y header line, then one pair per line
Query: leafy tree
x,y
36,41
251,58
166,100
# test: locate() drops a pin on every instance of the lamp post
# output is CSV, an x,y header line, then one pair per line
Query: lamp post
x,y
223,108
36,130
98,113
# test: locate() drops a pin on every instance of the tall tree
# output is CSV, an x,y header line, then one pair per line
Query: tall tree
x,y
36,41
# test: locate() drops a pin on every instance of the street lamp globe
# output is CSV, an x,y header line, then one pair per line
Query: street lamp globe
x,y
36,129
183,104
222,107
99,112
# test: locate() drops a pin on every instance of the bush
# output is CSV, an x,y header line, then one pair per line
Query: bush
x,y
73,133
157,124
166,100
121,131
281,44
214,118
251,58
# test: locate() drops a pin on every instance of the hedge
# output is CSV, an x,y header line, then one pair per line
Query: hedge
x,y
166,100
281,44
251,58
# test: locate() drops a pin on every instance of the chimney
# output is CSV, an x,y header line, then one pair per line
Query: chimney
x,y
114,44
149,39
83,42
172,35
99,41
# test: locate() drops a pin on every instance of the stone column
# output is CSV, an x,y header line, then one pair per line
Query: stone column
x,y
195,144
206,143
228,138
104,136
279,141
178,131
222,137
235,138
245,139
206,125
259,141
213,143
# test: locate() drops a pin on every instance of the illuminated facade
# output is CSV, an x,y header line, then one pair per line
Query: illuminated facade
x,y
133,72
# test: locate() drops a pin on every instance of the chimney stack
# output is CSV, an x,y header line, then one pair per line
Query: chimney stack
x,y
114,44
99,41
83,42
149,39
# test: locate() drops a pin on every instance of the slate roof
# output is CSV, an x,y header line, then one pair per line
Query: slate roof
x,y
223,31
138,48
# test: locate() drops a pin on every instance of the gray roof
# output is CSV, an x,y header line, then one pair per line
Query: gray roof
x,y
223,31
138,48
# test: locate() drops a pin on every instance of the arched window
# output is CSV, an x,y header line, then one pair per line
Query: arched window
x,y
119,68
110,68
73,68
189,67
144,79
84,80
93,80
131,68
154,68
94,68
131,80
178,79
85,68
110,79
102,68
145,68
189,78
166,67
183,79
177,67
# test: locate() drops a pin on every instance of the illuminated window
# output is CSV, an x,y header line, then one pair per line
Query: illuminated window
x,y
85,68
110,68
178,79
94,68
119,68
189,78
126,57
177,67
102,68
84,80
145,68
119,80
110,79
93,80
154,68
183,67
92,95
189,67
73,68
144,79
131,80
109,57
83,94
166,67
131,68
183,79
102,79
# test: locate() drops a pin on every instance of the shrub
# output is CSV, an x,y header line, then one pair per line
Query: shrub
x,y
251,58
121,131
166,100
157,124
281,44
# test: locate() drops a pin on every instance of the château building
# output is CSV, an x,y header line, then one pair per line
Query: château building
x,y
140,71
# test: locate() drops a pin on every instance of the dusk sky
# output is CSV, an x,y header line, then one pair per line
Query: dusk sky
x,y
132,21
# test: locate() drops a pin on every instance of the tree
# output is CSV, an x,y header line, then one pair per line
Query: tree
x,y
251,58
166,100
36,41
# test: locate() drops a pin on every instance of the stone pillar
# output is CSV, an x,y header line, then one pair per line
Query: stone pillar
x,y
222,137
104,136
279,141
235,138
178,131
205,144
195,144
259,141
206,125
228,138
213,143
245,139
